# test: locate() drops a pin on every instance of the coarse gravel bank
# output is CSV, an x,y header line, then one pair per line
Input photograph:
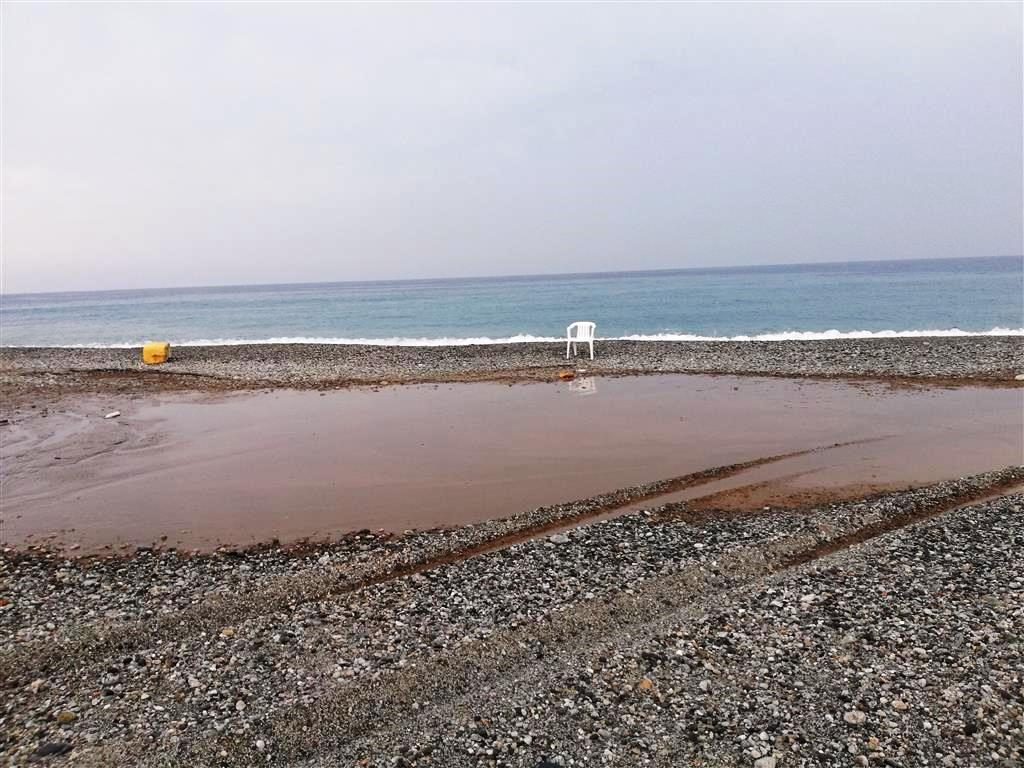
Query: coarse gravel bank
x,y
989,360
885,631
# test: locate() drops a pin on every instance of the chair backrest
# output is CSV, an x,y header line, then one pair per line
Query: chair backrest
x,y
582,330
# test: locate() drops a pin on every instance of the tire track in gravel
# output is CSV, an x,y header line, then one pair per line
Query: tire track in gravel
x,y
82,645
862,561
691,594
347,719
1003,487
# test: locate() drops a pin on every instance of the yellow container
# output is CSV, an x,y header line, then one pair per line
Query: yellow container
x,y
156,352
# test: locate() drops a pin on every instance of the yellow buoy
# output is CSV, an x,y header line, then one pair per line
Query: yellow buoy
x,y
156,352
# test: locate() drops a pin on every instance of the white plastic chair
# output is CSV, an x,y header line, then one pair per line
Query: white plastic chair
x,y
580,333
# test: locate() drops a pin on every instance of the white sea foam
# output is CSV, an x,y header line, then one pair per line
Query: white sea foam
x,y
823,335
398,341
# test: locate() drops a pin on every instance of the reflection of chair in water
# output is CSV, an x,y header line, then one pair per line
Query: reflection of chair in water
x,y
582,333
584,386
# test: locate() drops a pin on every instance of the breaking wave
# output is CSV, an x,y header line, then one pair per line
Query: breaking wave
x,y
525,338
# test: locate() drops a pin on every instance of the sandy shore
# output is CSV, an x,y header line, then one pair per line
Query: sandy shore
x,y
28,372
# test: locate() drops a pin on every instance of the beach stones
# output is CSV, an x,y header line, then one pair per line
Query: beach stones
x,y
325,365
53,749
854,717
629,646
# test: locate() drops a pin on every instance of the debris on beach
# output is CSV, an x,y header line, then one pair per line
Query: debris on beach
x,y
156,352
112,415
566,375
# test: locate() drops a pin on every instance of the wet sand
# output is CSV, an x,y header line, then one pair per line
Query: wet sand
x,y
239,469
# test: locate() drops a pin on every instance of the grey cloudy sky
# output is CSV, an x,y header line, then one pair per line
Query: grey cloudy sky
x,y
196,144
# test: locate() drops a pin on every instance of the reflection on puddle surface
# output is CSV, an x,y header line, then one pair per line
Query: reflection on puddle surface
x,y
584,386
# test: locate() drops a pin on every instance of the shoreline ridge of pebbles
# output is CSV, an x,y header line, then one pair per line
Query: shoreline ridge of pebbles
x,y
991,360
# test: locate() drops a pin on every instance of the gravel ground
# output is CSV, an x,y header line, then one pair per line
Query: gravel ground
x,y
904,652
655,638
30,370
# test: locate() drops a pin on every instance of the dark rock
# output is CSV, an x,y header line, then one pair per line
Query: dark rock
x,y
53,748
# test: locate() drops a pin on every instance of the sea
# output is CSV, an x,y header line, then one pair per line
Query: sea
x,y
933,297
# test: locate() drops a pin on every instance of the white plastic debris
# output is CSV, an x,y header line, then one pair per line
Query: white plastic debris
x,y
112,415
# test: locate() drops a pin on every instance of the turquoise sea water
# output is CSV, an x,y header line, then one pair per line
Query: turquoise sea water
x,y
981,295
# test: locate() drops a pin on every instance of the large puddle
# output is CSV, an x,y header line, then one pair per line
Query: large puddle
x,y
204,471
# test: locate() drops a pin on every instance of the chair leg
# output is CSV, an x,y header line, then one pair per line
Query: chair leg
x,y
567,345
591,350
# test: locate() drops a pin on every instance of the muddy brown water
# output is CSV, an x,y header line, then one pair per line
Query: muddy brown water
x,y
203,471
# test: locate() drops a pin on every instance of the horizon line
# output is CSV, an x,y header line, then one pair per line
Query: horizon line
x,y
525,275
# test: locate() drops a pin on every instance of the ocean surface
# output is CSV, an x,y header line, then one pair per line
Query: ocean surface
x,y
911,298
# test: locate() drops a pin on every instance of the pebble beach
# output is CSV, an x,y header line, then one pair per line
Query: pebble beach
x,y
511,385
879,631
984,359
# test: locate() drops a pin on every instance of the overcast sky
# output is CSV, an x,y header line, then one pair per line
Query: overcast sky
x,y
197,144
